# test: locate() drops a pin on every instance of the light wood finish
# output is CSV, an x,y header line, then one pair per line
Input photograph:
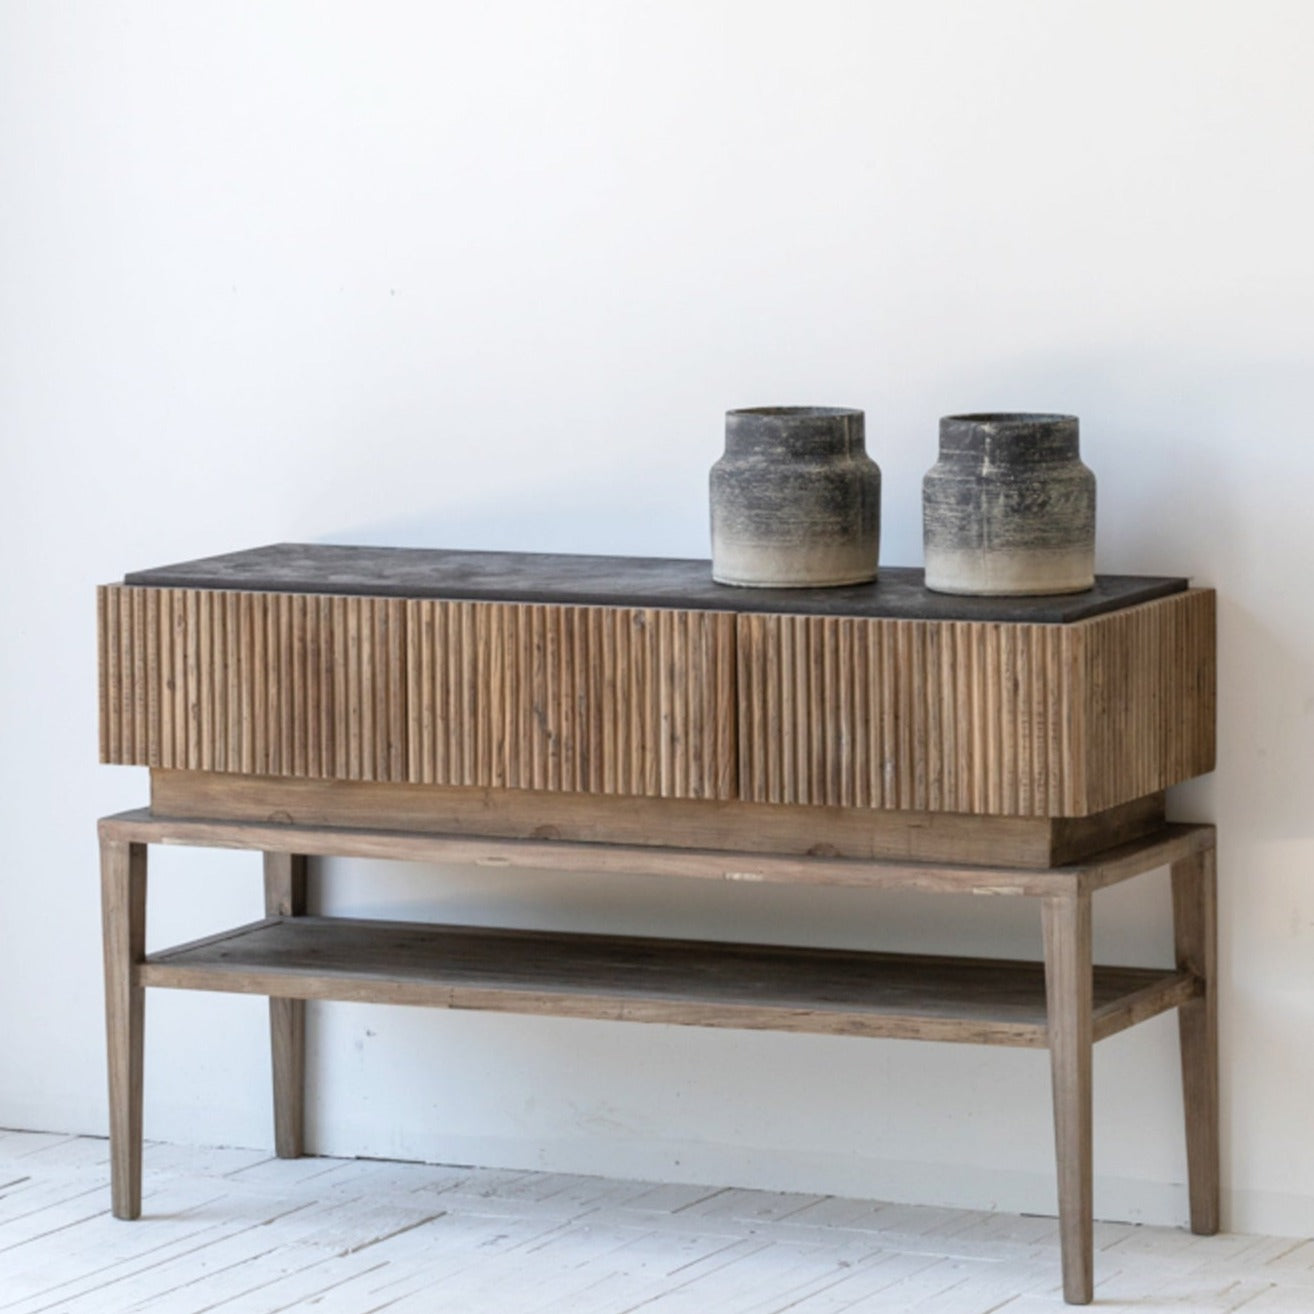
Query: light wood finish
x,y
1039,842
1015,720
1066,1004
278,684
604,700
1170,844
1195,923
285,896
948,756
123,912
968,717
1069,990
625,978
1152,676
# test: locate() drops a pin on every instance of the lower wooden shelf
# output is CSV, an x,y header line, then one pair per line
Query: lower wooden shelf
x,y
626,978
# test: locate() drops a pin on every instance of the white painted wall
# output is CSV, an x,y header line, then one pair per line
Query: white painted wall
x,y
487,276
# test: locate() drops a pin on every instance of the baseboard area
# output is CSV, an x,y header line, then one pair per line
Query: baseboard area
x,y
948,1185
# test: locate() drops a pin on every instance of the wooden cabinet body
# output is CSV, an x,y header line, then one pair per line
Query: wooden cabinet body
x,y
849,708
628,715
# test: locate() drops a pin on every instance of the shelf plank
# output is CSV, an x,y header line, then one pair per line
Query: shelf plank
x,y
624,978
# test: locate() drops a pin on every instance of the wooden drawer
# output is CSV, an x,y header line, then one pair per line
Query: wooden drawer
x,y
977,717
936,716
605,700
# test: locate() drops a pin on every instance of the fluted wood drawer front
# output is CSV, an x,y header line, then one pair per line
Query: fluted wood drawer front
x,y
604,700
260,683
975,717
589,699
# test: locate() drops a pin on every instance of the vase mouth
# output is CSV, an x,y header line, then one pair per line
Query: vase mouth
x,y
794,433
1010,418
795,412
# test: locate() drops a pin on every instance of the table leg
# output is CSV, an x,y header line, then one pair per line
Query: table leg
x,y
1195,930
1068,983
285,896
123,917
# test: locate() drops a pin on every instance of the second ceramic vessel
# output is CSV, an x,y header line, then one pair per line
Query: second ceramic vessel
x,y
1009,508
795,499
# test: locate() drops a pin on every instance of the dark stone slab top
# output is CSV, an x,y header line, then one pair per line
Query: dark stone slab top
x,y
617,582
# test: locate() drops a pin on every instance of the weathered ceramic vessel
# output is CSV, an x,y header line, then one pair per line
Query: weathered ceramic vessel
x,y
795,499
1009,508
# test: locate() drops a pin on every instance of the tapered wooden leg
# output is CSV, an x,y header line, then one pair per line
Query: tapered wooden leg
x,y
1068,998
1195,928
285,896
123,915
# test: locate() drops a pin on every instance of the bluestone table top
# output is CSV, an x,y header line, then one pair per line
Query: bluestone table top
x,y
899,593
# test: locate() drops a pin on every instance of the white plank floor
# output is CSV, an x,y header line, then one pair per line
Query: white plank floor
x,y
237,1232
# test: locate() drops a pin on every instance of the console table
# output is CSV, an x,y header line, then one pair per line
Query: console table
x,y
628,715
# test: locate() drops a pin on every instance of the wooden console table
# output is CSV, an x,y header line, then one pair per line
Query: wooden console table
x,y
625,715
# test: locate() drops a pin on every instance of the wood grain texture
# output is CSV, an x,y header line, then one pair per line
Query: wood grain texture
x,y
1069,982
123,914
1174,843
848,832
1195,927
626,978
1171,844
1158,996
982,718
948,756
260,683
597,700
975,718
1150,674
285,896
615,701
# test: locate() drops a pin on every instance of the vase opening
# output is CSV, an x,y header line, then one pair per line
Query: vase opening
x,y
1012,417
794,412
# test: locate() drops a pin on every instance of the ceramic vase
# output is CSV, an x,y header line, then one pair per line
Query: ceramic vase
x,y
795,499
1009,509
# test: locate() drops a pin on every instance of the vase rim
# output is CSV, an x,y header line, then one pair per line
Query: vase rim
x,y
1011,417
795,412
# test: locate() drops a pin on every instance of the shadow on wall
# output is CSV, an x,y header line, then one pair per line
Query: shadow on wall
x,y
1265,779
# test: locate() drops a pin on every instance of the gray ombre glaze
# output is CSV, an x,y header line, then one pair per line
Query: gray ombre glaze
x,y
796,500
1009,509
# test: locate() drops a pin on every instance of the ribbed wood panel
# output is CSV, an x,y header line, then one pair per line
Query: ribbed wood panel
x,y
256,683
927,716
598,700
1151,675
1007,720
1011,720
584,699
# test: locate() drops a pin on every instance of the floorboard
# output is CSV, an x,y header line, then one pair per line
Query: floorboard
x,y
230,1231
